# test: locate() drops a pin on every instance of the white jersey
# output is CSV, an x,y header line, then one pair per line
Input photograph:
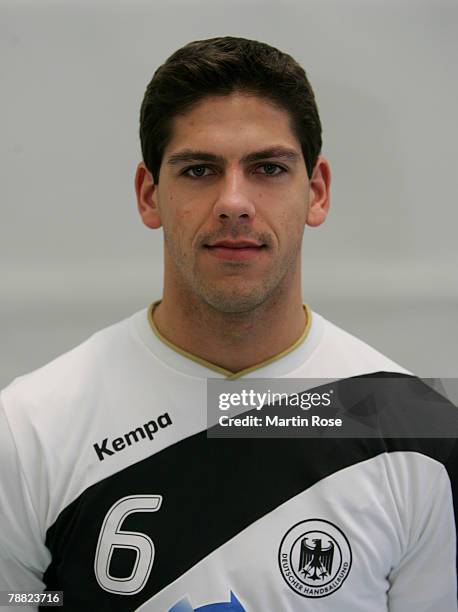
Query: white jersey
x,y
112,492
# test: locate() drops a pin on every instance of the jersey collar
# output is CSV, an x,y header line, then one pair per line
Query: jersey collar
x,y
191,364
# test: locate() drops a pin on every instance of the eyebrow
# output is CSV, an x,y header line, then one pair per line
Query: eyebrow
x,y
189,155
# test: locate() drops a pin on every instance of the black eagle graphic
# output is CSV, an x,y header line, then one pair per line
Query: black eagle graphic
x,y
316,562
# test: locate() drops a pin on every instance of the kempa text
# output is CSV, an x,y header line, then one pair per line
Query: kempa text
x,y
147,430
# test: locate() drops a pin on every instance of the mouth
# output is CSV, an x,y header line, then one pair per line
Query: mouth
x,y
242,250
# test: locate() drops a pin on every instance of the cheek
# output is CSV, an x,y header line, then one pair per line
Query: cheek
x,y
172,212
291,223
183,225
185,219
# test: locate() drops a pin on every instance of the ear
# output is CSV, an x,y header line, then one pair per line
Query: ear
x,y
320,183
146,192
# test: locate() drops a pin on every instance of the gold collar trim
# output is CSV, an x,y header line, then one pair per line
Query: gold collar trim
x,y
211,366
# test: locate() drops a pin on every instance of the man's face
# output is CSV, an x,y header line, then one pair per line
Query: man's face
x,y
232,198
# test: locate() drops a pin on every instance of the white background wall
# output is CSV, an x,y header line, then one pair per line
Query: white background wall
x,y
73,254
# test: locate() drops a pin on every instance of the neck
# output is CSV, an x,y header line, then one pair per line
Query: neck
x,y
233,341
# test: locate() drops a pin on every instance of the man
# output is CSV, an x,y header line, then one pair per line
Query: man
x,y
111,490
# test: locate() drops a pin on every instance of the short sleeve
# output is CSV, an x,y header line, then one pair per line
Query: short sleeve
x,y
23,554
425,578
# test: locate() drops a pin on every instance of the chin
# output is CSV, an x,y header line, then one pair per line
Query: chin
x,y
236,302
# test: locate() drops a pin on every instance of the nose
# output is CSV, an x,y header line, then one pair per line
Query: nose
x,y
233,201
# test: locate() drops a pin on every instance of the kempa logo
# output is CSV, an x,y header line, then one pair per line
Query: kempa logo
x,y
314,558
147,430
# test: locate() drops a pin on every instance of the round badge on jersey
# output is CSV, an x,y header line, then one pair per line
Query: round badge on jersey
x,y
314,558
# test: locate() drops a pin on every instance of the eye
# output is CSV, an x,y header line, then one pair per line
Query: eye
x,y
271,169
196,172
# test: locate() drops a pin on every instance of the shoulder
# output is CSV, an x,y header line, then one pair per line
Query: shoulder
x,y
348,355
52,414
70,376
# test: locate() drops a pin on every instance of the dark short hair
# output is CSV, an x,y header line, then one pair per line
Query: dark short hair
x,y
221,66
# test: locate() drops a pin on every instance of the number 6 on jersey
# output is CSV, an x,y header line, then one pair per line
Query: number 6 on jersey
x,y
112,537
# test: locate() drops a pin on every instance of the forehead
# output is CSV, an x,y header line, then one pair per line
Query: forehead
x,y
232,123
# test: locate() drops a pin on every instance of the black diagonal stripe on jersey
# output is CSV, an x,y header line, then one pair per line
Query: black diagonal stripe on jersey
x,y
212,489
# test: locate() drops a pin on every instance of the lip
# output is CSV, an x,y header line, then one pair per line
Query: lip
x,y
235,244
242,250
